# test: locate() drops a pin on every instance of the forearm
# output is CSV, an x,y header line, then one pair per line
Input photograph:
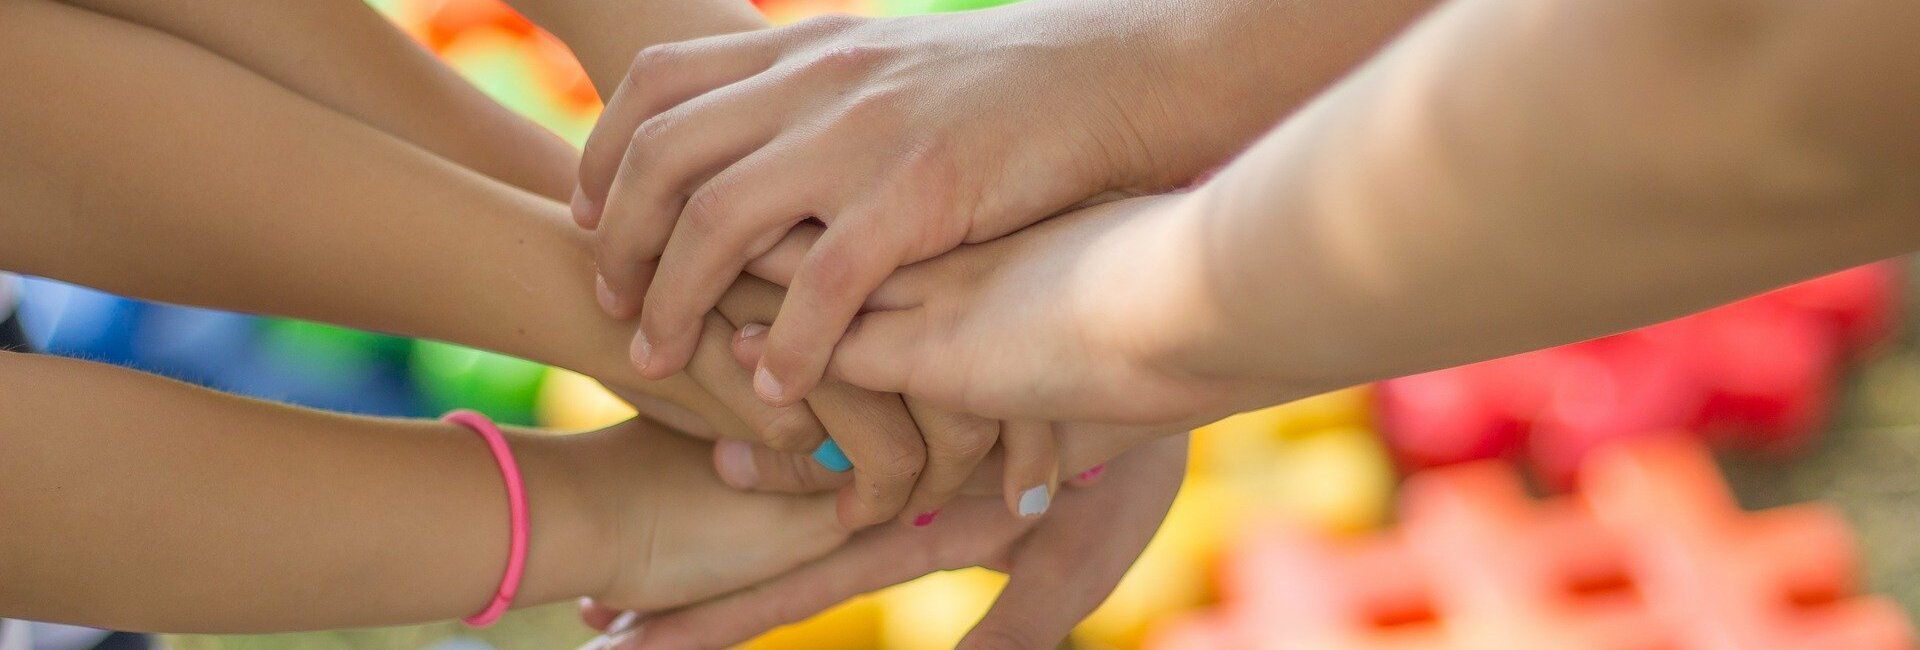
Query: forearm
x,y
1255,62
220,189
343,55
228,515
1505,179
606,34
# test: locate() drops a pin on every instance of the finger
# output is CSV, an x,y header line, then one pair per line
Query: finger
x,y
738,214
787,428
1060,574
883,443
1033,470
670,154
659,78
746,466
839,272
872,560
779,263
881,350
597,616
956,443
873,430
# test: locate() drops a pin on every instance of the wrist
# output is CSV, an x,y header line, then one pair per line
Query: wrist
x,y
1165,313
572,543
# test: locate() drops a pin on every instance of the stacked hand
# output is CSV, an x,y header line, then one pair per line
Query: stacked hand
x,y
905,137
1061,567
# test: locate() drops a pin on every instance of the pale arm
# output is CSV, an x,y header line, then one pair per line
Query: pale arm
x,y
1515,175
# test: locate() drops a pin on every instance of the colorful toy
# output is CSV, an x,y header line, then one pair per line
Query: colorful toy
x,y
1757,374
75,321
1653,555
573,402
451,377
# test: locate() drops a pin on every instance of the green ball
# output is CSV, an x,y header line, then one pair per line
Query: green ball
x,y
453,377
329,351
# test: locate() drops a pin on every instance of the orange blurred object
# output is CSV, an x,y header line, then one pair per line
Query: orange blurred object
x,y
1653,555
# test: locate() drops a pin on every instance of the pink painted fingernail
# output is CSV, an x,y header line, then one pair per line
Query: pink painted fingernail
x,y
1092,472
925,519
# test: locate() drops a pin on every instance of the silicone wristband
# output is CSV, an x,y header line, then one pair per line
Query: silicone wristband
x,y
516,514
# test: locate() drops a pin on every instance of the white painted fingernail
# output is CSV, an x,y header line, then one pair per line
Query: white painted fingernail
x,y
1034,501
625,621
625,639
622,630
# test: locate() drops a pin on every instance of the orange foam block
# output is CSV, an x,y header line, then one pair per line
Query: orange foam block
x,y
1652,555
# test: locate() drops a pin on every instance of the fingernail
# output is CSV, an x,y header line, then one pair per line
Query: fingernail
x,y
582,209
764,384
1034,501
608,302
622,630
626,638
642,350
627,620
1092,472
925,519
752,330
736,465
830,456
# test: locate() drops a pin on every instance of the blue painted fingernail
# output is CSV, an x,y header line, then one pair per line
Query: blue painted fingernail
x,y
830,457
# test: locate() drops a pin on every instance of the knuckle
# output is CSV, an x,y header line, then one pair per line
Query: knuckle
x,y
791,431
874,108
901,465
707,208
963,441
652,61
651,132
855,57
833,272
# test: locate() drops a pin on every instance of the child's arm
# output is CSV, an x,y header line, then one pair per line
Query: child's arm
x,y
229,191
1504,178
218,188
343,55
135,502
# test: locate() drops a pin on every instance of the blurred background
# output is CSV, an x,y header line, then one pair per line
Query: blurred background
x,y
1297,527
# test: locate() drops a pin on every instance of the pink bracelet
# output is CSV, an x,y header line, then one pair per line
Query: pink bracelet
x,y
516,514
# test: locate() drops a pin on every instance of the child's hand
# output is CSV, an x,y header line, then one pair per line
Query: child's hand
x,y
678,534
1061,566
1059,322
713,397
909,470
906,136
